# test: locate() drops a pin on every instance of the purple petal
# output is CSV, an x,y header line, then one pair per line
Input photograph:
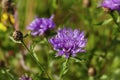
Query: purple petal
x,y
68,42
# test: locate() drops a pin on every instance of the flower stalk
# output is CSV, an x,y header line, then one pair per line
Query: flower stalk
x,y
64,69
35,59
115,19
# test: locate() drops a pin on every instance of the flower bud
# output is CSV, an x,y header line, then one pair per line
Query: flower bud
x,y
86,3
91,71
17,35
2,63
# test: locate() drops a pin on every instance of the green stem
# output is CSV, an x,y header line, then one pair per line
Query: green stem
x,y
10,75
36,60
48,59
91,78
64,69
119,19
114,19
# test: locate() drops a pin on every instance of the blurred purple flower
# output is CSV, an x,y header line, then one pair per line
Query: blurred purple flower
x,y
68,42
111,4
23,77
40,25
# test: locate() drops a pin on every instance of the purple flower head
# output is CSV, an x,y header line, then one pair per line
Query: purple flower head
x,y
68,42
40,25
111,4
23,77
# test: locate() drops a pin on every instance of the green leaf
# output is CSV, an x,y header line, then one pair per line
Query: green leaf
x,y
64,68
104,22
6,74
78,59
14,40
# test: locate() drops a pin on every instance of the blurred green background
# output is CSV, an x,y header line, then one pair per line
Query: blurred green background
x,y
99,62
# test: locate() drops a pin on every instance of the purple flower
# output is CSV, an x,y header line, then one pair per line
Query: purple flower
x,y
40,25
111,4
68,42
23,77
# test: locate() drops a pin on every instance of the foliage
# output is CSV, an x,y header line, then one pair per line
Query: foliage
x,y
99,62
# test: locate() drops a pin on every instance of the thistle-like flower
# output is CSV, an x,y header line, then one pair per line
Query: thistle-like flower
x,y
111,4
68,42
40,25
23,77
